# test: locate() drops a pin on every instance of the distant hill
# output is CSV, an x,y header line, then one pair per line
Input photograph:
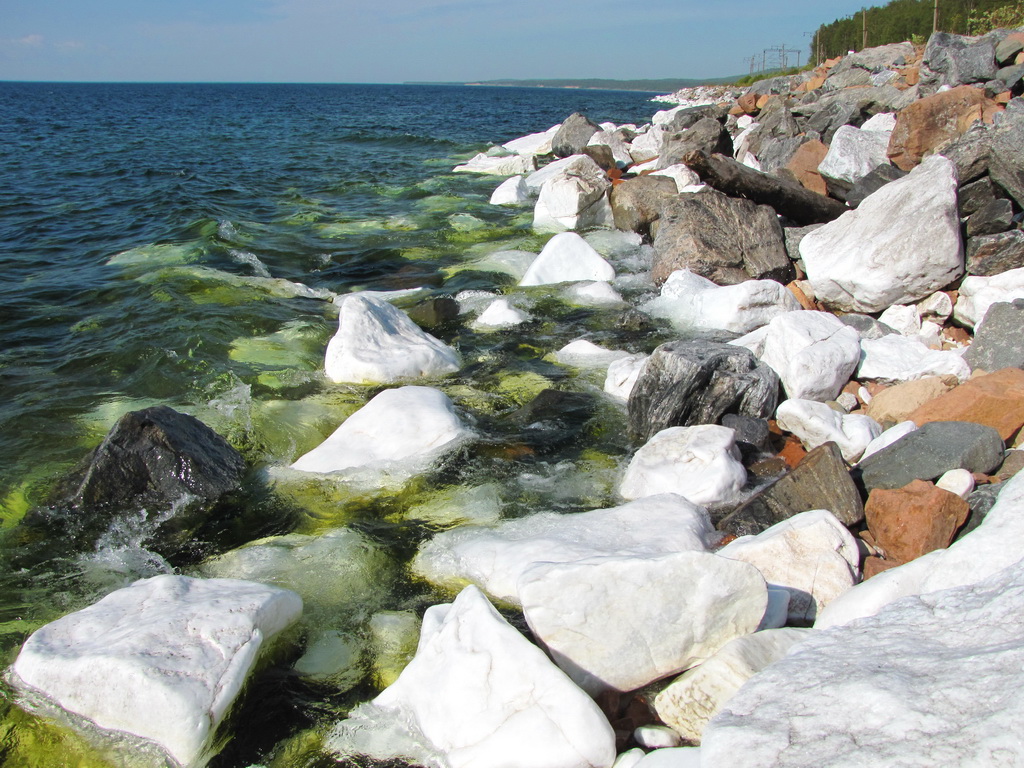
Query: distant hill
x,y
650,86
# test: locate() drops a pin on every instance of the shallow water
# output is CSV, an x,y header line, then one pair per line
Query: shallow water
x,y
176,244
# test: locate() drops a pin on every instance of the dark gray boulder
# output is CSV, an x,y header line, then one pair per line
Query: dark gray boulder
x,y
992,218
1006,163
998,341
689,117
868,327
994,254
727,240
793,236
981,501
638,202
975,196
872,182
970,153
573,135
753,436
706,135
1010,77
931,451
697,382
601,154
956,60
776,151
820,481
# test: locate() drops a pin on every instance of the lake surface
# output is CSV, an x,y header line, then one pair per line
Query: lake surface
x,y
144,234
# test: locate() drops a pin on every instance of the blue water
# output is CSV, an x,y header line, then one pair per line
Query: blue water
x,y
131,217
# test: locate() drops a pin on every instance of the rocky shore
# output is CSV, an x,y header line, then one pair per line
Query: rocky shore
x,y
816,560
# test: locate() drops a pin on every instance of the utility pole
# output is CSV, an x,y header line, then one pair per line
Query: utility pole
x,y
751,61
864,19
935,18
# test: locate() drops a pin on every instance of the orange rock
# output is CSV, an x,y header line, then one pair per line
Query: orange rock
x,y
829,63
875,565
996,400
814,83
804,166
748,103
913,520
800,296
935,119
1020,58
762,100
896,403
792,452
956,334
737,110
1003,98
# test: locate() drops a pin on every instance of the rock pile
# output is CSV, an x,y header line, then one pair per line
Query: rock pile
x,y
841,255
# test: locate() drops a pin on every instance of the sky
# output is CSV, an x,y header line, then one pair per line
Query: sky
x,y
393,41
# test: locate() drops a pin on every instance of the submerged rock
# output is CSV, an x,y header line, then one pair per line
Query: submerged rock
x,y
478,693
162,660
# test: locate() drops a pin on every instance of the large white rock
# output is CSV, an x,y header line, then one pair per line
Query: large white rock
x,y
978,293
693,698
686,179
567,257
995,544
509,165
895,358
902,244
623,374
812,555
701,463
493,558
500,313
574,199
593,293
478,693
815,424
378,343
511,191
401,432
566,165
813,352
853,154
533,143
934,680
647,145
739,308
162,659
586,354
624,622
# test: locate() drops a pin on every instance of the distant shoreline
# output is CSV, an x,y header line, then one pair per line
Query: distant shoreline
x,y
639,86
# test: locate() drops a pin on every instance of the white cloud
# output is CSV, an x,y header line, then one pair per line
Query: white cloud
x,y
32,41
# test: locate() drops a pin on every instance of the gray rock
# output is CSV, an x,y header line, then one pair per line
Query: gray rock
x,y
573,136
637,202
974,196
706,135
695,382
981,500
793,236
752,435
850,78
873,182
821,481
775,152
878,58
601,154
772,85
970,153
1008,48
687,118
724,239
1010,76
553,419
994,254
851,107
998,342
992,218
956,60
932,450
868,327
1006,163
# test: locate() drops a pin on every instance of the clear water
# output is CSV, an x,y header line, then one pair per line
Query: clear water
x,y
145,234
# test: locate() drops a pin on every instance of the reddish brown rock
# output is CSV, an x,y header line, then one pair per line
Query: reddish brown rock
x,y
913,520
804,166
934,120
995,400
875,565
912,75
800,296
792,452
748,103
895,404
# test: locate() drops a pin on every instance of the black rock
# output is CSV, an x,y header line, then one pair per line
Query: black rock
x,y
1006,163
872,182
931,451
637,202
992,218
727,240
706,135
998,341
435,312
976,195
981,500
697,382
752,435
820,481
573,135
995,254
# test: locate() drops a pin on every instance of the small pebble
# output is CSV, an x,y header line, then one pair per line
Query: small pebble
x,y
656,737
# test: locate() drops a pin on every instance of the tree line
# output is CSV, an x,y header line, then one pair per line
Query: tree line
x,y
901,20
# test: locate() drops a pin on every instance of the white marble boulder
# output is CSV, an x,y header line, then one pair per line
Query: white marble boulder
x,y
895,358
933,680
162,660
901,245
978,293
377,343
852,154
500,165
701,463
511,191
995,544
813,352
565,258
690,301
812,555
623,374
478,693
816,423
400,432
697,695
494,557
576,198
500,314
624,622
586,354
533,143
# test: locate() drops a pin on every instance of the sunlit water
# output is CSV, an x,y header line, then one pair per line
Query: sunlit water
x,y
175,244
